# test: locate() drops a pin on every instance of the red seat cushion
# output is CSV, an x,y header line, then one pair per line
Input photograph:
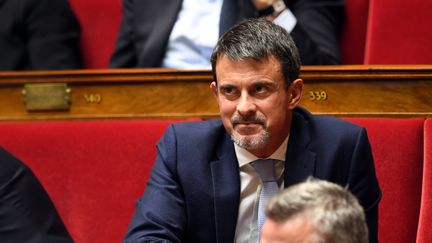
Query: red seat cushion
x,y
93,170
397,147
424,234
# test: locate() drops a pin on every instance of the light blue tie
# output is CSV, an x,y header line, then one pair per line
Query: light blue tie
x,y
266,170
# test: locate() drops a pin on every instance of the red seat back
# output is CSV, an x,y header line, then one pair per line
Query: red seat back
x,y
398,32
94,171
100,21
397,147
353,36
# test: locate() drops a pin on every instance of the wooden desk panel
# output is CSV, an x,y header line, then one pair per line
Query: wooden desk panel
x,y
167,93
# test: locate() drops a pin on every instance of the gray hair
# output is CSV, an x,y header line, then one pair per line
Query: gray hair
x,y
259,39
333,211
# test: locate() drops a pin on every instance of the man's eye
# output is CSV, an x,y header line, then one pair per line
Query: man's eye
x,y
260,89
228,90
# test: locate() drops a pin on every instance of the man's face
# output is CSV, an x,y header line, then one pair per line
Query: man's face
x,y
254,104
295,230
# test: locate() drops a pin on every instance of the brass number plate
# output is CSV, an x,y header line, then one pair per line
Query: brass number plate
x,y
46,97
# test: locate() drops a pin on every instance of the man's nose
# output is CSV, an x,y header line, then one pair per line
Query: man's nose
x,y
246,104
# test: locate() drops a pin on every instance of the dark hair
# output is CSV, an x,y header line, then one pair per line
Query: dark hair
x,y
257,39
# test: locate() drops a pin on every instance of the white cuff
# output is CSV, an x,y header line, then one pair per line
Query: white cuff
x,y
286,20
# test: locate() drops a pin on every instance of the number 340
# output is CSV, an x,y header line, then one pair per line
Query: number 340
x,y
318,95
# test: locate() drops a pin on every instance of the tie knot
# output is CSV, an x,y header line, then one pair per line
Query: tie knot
x,y
265,169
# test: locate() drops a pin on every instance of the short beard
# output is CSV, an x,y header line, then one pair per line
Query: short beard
x,y
255,142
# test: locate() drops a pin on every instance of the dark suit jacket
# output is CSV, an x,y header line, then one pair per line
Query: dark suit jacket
x,y
194,188
26,211
38,34
147,24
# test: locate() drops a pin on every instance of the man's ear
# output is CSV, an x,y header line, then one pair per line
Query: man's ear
x,y
296,91
214,90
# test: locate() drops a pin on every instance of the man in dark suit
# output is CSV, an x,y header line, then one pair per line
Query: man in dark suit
x,y
26,211
204,186
38,35
150,27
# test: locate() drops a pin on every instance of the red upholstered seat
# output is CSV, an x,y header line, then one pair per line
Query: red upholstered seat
x,y
94,171
399,32
100,21
353,36
424,234
397,146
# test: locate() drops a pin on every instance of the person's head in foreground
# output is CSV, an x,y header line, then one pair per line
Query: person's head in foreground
x,y
314,211
255,68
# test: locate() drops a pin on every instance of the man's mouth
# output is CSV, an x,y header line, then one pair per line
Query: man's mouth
x,y
250,123
247,128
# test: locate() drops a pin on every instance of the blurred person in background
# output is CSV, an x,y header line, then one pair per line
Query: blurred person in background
x,y
38,35
26,211
182,33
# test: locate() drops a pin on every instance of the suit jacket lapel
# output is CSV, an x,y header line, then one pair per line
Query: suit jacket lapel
x,y
300,162
234,11
226,188
156,30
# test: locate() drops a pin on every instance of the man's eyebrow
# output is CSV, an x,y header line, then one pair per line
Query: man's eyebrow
x,y
228,85
264,82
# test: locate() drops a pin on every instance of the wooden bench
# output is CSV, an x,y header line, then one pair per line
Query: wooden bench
x,y
166,93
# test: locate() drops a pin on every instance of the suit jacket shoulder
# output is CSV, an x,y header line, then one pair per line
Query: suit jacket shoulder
x,y
332,149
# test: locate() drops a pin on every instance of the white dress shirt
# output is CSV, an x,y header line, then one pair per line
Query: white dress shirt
x,y
250,187
194,35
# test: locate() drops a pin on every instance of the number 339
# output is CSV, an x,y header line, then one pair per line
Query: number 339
x,y
318,95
